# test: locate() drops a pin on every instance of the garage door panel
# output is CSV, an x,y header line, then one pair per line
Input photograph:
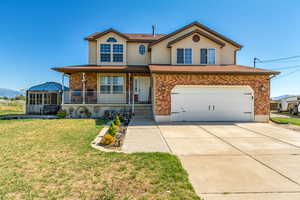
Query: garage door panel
x,y
211,104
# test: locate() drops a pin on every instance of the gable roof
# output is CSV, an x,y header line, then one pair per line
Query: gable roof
x,y
156,38
96,35
138,37
202,27
198,32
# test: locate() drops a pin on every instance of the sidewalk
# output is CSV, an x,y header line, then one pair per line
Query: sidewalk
x,y
143,135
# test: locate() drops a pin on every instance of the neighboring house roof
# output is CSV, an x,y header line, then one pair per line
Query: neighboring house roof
x,y
209,69
103,68
198,32
202,27
48,86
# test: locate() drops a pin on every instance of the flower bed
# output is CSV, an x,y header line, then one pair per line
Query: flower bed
x,y
113,136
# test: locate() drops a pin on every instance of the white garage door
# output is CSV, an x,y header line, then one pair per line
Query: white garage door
x,y
202,103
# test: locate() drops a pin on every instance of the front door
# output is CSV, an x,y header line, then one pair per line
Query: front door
x,y
142,88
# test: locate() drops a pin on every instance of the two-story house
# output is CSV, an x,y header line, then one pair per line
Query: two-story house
x,y
187,75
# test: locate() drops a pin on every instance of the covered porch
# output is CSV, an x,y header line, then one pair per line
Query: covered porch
x,y
107,85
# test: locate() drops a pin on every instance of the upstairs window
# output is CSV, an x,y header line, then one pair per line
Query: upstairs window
x,y
142,49
184,56
109,53
118,52
111,39
208,56
105,52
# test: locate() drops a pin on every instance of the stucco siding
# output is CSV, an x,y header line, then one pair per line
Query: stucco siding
x,y
120,40
188,43
92,52
161,54
133,55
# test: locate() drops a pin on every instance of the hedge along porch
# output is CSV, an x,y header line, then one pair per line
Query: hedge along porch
x,y
100,90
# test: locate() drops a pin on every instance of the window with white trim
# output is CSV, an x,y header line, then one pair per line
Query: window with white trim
x,y
208,56
105,52
111,52
142,49
118,52
184,56
111,84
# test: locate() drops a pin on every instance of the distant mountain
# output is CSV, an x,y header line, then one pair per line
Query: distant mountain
x,y
9,93
283,96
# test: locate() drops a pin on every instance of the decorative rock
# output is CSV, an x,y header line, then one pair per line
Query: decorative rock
x,y
118,136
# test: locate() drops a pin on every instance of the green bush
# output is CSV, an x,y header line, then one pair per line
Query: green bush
x,y
62,114
107,139
112,129
117,121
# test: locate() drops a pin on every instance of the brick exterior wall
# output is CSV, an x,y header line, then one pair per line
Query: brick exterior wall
x,y
76,83
91,83
164,83
91,77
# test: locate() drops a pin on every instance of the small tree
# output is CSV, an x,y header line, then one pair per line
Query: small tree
x,y
117,121
112,129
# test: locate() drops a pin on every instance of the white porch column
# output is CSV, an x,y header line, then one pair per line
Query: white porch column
x,y
129,93
133,91
83,87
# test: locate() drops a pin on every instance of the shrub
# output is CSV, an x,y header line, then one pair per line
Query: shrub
x,y
112,129
62,114
107,139
117,121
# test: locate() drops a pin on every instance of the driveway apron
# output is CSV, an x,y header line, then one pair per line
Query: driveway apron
x,y
237,161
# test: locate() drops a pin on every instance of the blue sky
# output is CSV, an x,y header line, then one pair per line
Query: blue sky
x,y
38,35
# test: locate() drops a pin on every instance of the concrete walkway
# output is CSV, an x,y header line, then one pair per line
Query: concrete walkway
x,y
143,135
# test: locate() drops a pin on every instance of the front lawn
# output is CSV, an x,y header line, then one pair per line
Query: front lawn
x,y
11,107
52,159
295,121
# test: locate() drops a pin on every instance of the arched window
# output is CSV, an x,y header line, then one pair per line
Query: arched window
x,y
142,49
111,39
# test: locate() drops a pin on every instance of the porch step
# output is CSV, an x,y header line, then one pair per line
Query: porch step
x,y
143,112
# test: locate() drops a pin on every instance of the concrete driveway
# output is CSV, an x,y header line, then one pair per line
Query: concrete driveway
x,y
238,161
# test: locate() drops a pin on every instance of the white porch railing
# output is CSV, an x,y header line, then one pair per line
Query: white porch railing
x,y
92,97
